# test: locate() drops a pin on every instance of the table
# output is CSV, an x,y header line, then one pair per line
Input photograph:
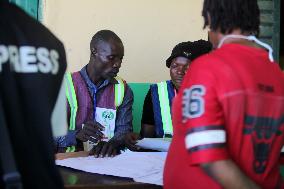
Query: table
x,y
75,179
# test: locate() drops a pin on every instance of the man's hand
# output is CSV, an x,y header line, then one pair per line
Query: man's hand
x,y
131,140
91,131
105,149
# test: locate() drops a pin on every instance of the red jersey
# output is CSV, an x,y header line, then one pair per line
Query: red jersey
x,y
230,106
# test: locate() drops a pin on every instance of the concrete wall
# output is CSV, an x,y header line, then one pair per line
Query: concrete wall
x,y
149,30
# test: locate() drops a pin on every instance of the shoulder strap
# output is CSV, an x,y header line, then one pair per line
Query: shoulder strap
x,y
72,100
11,176
157,110
119,90
165,108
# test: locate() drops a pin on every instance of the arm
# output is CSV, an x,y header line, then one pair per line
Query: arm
x,y
228,175
92,131
123,122
148,131
147,121
67,140
147,125
123,126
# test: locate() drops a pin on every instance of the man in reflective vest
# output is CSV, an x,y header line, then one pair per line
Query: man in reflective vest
x,y
99,102
156,118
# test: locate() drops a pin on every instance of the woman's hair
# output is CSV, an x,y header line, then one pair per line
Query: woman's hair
x,y
228,15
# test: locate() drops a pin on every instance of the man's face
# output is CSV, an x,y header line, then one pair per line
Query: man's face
x,y
108,58
178,69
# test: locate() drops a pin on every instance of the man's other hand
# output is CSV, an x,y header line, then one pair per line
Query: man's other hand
x,y
131,140
91,131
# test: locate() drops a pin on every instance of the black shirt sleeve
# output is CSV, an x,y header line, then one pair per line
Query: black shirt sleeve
x,y
148,113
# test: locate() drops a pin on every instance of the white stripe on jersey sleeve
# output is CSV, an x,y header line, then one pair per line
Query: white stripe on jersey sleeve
x,y
204,137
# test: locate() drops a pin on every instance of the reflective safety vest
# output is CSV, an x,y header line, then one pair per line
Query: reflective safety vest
x,y
119,90
162,94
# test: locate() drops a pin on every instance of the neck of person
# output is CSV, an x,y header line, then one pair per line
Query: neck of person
x,y
237,40
94,77
175,88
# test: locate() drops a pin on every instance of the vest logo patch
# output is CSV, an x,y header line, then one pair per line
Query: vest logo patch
x,y
107,115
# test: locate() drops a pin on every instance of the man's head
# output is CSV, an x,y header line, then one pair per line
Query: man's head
x,y
182,55
225,16
107,52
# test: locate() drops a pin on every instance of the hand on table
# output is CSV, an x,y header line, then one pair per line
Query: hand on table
x,y
105,149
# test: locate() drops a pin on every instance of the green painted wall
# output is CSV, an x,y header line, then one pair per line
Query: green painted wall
x,y
32,7
139,91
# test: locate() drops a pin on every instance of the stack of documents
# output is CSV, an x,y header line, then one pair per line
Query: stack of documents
x,y
159,144
146,167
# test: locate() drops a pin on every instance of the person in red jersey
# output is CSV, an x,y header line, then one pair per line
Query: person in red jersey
x,y
228,117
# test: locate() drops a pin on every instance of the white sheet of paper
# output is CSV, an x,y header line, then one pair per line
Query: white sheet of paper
x,y
146,167
160,144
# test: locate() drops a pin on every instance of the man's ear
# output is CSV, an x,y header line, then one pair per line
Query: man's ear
x,y
94,52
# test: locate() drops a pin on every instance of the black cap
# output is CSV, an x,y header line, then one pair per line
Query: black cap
x,y
189,50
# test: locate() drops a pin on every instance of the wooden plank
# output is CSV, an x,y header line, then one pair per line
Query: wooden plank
x,y
276,29
266,18
266,5
270,24
266,30
268,41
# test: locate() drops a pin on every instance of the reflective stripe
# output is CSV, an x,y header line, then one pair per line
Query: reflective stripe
x,y
71,149
72,100
68,149
205,137
165,108
118,92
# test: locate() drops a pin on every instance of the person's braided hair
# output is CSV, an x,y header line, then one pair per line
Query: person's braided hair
x,y
228,15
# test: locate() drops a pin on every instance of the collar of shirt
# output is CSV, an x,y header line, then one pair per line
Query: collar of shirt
x,y
173,86
91,86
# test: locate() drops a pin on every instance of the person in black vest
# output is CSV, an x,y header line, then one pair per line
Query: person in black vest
x,y
32,65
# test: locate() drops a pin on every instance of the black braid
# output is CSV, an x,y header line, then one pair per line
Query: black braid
x,y
228,15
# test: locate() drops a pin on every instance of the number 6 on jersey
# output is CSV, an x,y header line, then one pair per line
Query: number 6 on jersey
x,y
193,102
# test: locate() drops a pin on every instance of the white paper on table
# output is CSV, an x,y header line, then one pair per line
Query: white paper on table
x,y
160,144
146,167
